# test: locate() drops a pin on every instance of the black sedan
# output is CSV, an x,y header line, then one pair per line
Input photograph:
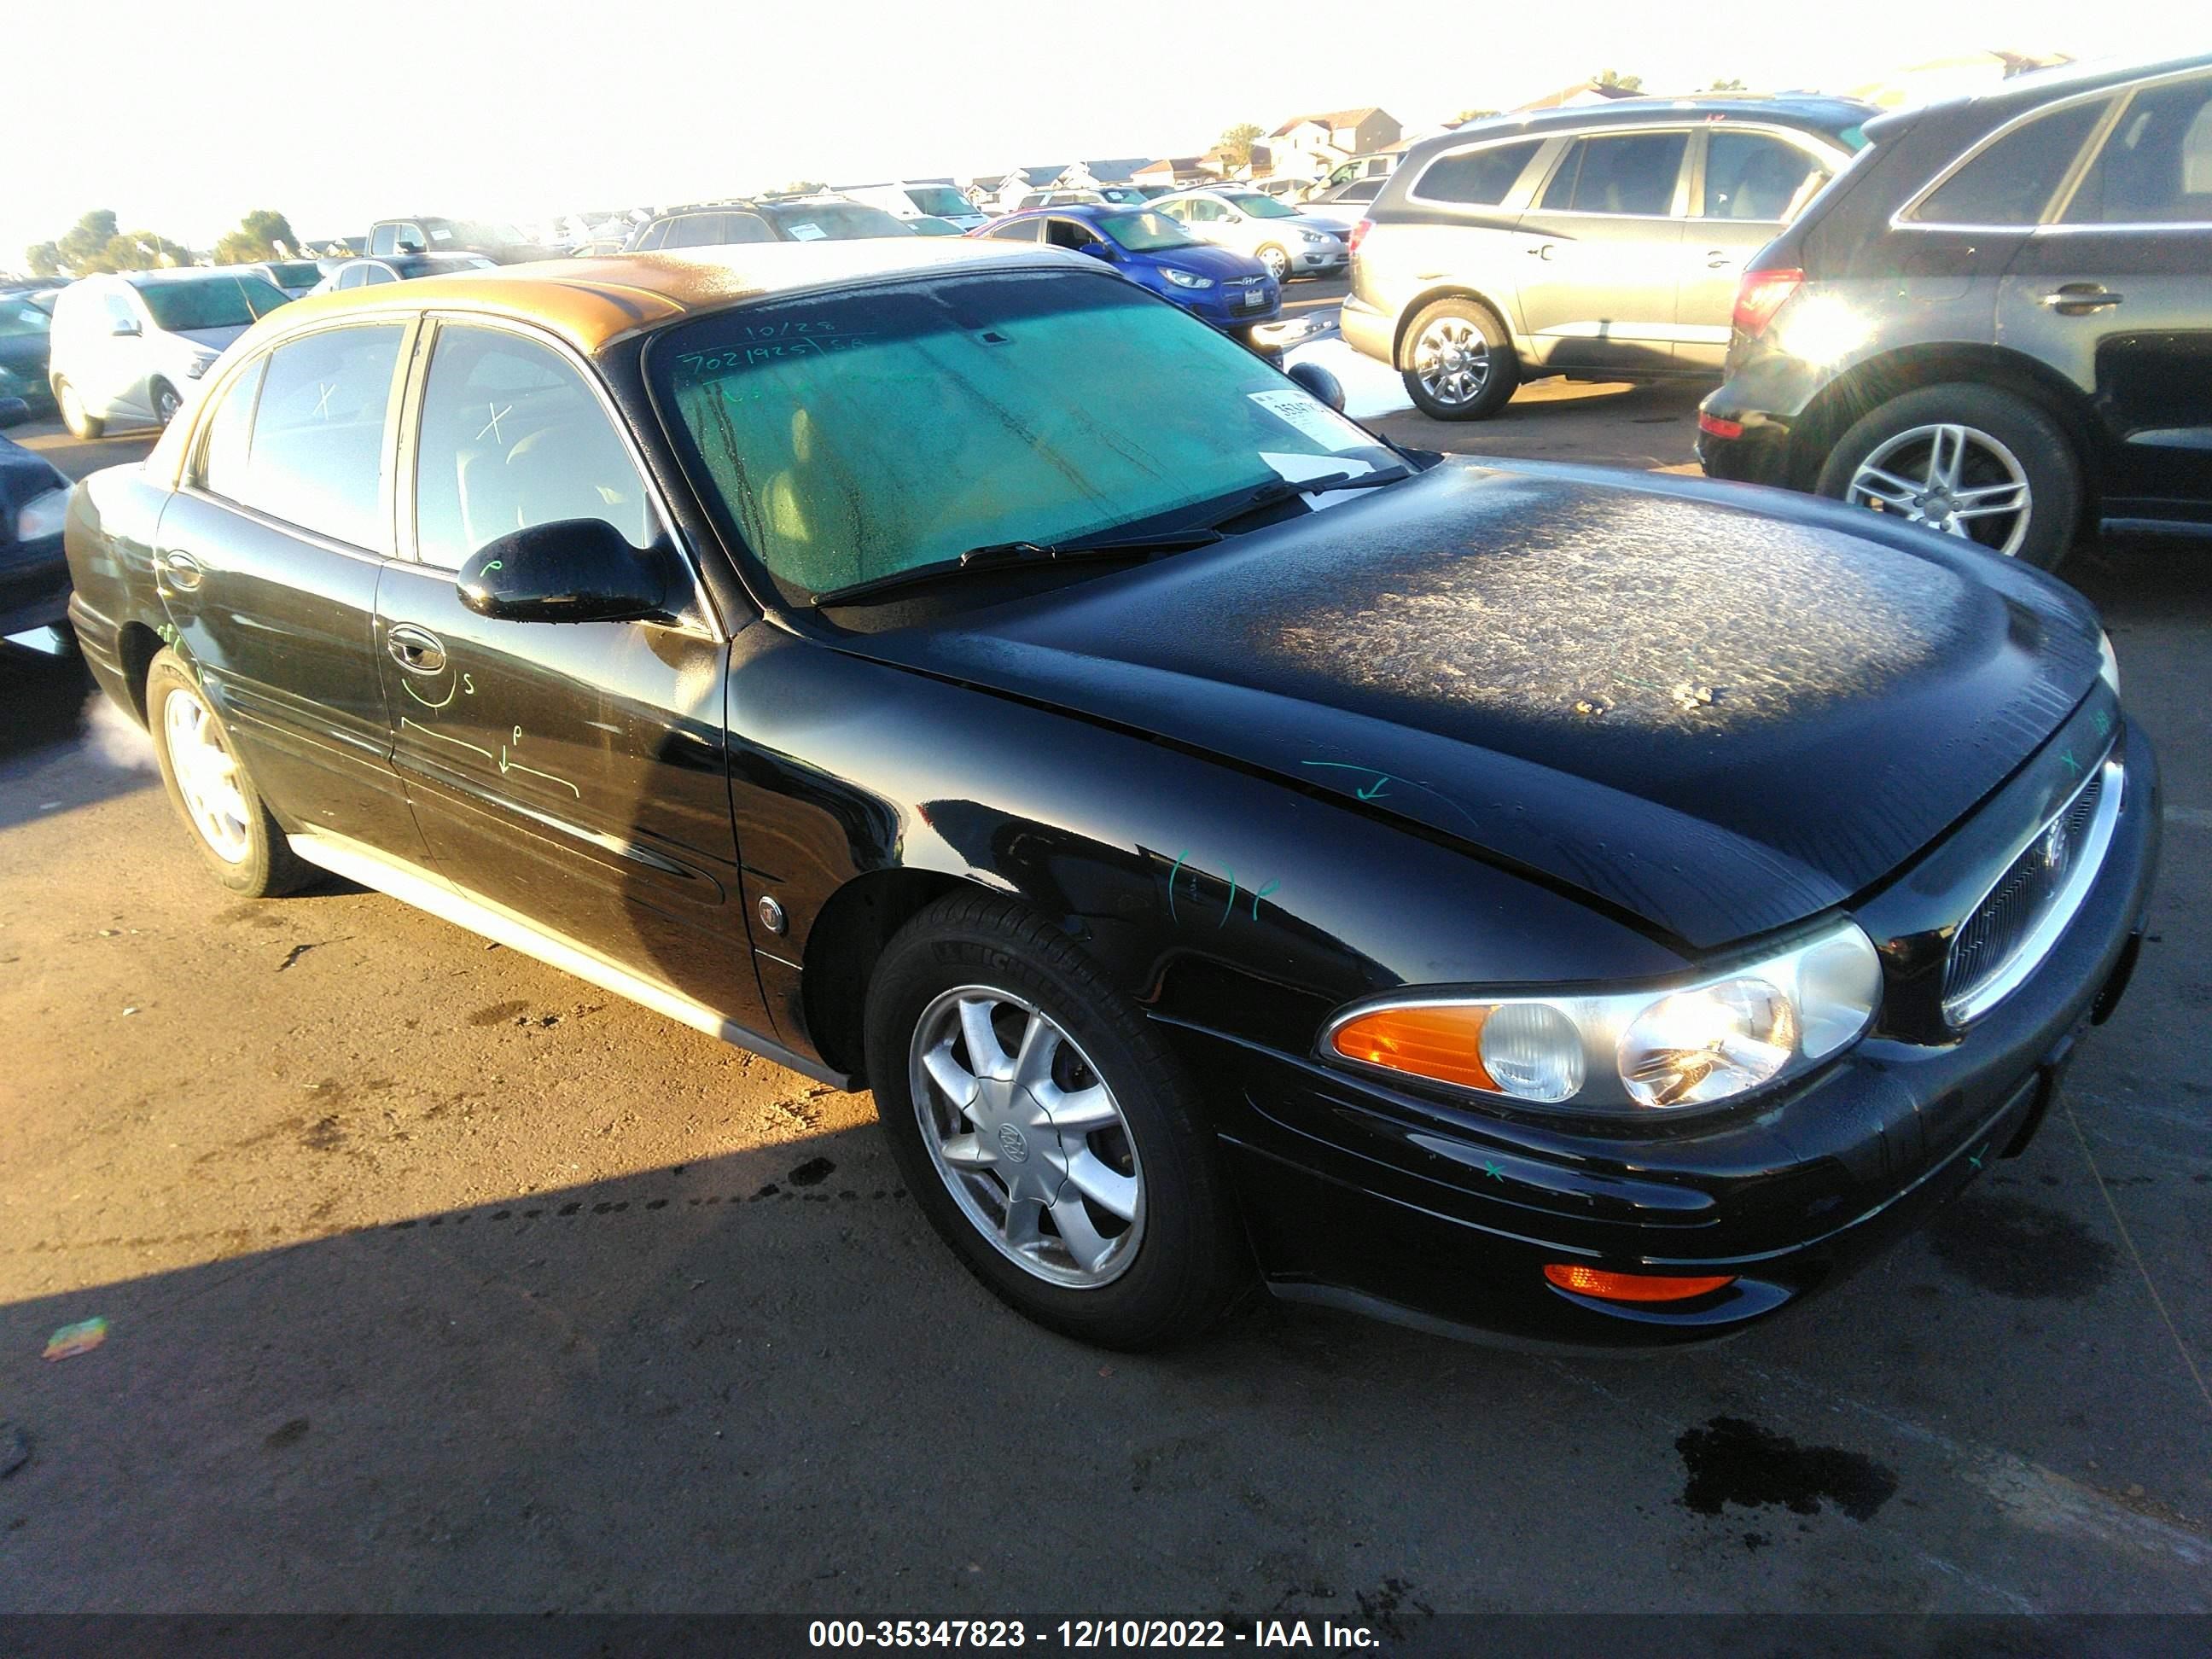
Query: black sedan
x,y
1535,900
33,496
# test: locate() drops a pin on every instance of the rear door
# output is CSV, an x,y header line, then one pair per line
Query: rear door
x,y
571,772
1748,184
268,558
2115,289
1597,291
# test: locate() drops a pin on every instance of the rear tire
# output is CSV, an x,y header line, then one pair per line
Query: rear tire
x,y
1993,447
239,841
1158,1257
1457,363
80,423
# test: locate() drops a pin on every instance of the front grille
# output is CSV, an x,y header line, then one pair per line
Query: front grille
x,y
2004,935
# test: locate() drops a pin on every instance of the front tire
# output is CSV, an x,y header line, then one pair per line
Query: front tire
x,y
79,421
1971,461
1278,263
1050,1138
239,840
1457,363
167,403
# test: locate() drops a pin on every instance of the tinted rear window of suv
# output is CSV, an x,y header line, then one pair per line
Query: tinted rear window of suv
x,y
2009,182
1478,178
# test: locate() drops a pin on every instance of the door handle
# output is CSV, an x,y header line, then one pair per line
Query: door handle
x,y
2078,298
1719,258
416,649
182,569
1542,250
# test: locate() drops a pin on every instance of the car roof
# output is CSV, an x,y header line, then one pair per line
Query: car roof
x,y
2041,86
1816,115
591,301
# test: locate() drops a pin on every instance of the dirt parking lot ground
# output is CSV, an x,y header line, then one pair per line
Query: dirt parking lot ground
x,y
436,1280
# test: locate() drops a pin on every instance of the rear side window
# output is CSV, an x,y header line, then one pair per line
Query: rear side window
x,y
1619,173
1478,178
1749,175
316,455
229,436
1021,230
2009,182
2155,166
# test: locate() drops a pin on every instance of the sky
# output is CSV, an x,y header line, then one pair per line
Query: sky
x,y
182,115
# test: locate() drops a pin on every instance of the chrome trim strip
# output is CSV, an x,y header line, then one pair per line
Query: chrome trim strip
x,y
2027,956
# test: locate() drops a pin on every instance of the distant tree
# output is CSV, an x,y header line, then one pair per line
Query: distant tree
x,y
805,187
97,243
1624,82
45,259
1726,86
261,234
85,243
1236,143
1466,115
141,250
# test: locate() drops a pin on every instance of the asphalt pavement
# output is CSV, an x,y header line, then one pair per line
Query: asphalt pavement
x,y
435,1280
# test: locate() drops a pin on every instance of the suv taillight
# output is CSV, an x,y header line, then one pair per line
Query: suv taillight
x,y
1358,235
1760,295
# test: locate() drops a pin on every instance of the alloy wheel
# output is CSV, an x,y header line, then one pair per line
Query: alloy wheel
x,y
1949,478
1451,360
165,405
1027,1136
72,407
207,775
1278,263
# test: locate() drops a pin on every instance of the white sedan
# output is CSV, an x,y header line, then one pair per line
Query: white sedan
x,y
1288,242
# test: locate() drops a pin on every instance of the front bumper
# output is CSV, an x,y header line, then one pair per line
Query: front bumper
x,y
1319,262
1403,1204
34,585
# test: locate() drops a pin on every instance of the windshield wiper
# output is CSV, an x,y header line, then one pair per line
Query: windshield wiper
x,y
998,555
1278,490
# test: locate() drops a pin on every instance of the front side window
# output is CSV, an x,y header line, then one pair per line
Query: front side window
x,y
2155,166
121,315
513,436
694,230
2010,182
212,302
1749,175
1619,173
316,453
1477,178
1204,210
1021,230
353,276
1143,232
856,434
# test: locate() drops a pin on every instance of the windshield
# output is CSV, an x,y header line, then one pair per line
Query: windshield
x,y
1143,233
296,273
1261,207
477,233
937,198
211,302
21,317
836,221
930,225
851,436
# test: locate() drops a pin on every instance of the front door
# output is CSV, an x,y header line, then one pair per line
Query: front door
x,y
2115,293
268,559
1598,273
1750,185
571,772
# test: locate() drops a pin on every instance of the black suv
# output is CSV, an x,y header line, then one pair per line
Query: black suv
x,y
1997,322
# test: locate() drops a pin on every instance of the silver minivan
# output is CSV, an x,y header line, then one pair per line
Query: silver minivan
x,y
1600,243
128,348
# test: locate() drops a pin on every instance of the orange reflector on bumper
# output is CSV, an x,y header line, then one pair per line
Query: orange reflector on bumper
x,y
1631,1287
1441,1042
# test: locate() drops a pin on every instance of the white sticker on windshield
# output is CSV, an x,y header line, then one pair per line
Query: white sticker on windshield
x,y
807,232
442,235
1316,420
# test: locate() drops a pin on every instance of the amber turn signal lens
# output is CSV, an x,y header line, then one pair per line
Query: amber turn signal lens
x,y
1631,1287
1443,1042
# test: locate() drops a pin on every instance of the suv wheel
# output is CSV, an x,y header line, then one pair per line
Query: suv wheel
x,y
1969,460
1457,364
1049,1137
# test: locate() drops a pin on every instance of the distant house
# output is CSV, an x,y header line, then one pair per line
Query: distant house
x,y
1960,77
1582,91
1089,175
1307,146
1178,170
1022,181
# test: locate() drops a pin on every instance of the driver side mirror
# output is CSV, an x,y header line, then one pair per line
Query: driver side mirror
x,y
1318,381
571,570
1099,250
13,412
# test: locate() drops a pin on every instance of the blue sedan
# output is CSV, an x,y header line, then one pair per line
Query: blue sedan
x,y
1231,290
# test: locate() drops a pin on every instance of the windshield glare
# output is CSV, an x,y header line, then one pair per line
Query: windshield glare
x,y
937,198
211,302
1261,207
1143,232
849,437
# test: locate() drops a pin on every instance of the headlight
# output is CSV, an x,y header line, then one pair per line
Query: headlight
x,y
1184,278
1316,236
42,515
2108,666
1629,1051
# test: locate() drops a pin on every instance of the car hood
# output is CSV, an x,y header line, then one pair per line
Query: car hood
x,y
23,475
1719,709
1222,264
214,339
